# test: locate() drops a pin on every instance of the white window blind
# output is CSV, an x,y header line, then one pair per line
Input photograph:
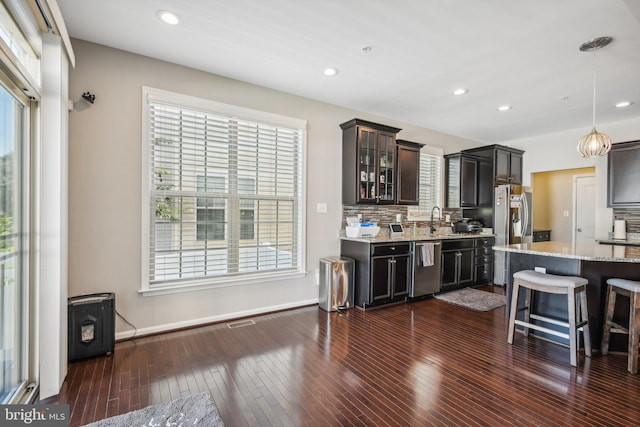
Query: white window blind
x,y
430,185
225,196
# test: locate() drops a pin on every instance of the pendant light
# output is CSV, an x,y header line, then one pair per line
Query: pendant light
x,y
594,144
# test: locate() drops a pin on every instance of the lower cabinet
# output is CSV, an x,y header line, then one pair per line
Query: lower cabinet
x,y
383,271
484,260
390,277
458,261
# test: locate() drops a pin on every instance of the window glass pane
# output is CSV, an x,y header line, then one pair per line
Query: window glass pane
x,y
430,185
12,256
226,195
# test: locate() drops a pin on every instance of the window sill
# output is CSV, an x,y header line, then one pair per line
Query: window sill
x,y
219,283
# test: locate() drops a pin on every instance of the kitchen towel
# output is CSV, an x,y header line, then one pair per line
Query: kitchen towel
x,y
426,254
517,228
619,229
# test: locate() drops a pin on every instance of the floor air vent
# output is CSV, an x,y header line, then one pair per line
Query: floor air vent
x,y
241,323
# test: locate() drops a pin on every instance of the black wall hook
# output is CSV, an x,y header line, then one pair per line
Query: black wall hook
x,y
89,97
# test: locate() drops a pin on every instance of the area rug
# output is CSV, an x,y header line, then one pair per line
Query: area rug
x,y
474,299
194,410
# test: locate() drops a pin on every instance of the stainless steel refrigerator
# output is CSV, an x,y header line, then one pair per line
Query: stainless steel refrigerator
x,y
511,224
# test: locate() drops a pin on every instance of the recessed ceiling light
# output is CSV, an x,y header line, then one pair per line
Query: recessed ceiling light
x,y
330,72
168,17
623,104
460,91
504,108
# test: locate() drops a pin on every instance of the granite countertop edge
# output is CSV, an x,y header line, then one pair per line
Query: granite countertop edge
x,y
594,252
409,237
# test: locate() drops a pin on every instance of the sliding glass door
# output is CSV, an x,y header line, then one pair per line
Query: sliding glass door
x,y
13,235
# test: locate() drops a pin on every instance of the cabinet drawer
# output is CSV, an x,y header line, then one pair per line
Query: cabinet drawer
x,y
390,249
542,236
450,245
484,259
486,242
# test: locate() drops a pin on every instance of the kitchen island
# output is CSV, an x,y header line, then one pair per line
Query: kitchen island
x,y
595,262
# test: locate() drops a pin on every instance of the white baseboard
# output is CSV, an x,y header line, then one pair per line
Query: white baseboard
x,y
205,320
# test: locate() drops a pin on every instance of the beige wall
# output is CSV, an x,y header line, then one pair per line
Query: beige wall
x,y
105,189
552,195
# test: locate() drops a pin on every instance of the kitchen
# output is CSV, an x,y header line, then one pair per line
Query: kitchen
x,y
471,177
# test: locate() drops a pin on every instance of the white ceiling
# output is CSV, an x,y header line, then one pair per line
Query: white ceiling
x,y
518,52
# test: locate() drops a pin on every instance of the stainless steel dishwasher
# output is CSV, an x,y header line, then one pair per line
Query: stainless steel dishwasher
x,y
426,268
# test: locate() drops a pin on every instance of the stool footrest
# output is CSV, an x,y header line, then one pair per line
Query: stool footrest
x,y
542,329
549,320
618,329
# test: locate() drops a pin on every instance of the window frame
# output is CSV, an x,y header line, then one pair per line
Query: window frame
x,y
194,103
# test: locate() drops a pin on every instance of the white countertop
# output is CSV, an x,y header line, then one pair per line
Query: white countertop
x,y
587,252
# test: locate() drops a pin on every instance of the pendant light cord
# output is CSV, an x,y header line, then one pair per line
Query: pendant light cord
x,y
594,87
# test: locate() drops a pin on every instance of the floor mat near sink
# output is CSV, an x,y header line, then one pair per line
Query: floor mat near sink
x,y
474,299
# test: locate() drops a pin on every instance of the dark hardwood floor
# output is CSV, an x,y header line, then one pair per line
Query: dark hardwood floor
x,y
421,363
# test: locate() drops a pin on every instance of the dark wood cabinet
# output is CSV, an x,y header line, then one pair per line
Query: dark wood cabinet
x,y
483,260
623,175
368,163
507,166
382,273
461,176
457,263
390,277
408,170
541,235
505,163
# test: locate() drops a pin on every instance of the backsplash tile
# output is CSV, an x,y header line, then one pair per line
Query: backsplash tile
x,y
386,214
631,216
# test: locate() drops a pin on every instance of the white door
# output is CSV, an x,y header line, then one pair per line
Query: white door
x,y
584,195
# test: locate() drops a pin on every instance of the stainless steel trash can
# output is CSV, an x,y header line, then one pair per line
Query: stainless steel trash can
x,y
336,283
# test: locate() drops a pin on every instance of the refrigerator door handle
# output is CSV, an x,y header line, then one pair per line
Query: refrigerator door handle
x,y
525,208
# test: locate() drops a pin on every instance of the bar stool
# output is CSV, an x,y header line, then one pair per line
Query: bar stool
x,y
578,318
632,290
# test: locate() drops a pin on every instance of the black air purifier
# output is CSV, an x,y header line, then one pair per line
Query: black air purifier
x,y
92,325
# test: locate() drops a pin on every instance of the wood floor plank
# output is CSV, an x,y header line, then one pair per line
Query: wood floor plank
x,y
425,363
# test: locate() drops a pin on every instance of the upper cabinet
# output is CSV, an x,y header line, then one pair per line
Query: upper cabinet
x,y
623,190
507,166
472,174
408,170
368,162
461,180
506,163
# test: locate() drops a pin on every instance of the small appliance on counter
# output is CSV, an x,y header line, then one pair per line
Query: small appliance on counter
x,y
396,230
355,228
467,226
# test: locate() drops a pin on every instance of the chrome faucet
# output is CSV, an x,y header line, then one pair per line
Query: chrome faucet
x,y
432,229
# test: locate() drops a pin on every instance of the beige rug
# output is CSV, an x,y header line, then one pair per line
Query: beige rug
x,y
474,299
194,410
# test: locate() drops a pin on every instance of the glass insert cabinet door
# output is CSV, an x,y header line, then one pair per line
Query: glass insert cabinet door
x,y
386,167
376,151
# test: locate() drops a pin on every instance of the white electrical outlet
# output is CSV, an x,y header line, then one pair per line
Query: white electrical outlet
x,y
321,208
540,270
565,213
447,218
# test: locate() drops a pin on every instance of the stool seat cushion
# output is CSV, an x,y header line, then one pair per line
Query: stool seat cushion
x,y
550,279
629,285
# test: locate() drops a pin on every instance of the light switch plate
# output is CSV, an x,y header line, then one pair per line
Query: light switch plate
x,y
321,208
